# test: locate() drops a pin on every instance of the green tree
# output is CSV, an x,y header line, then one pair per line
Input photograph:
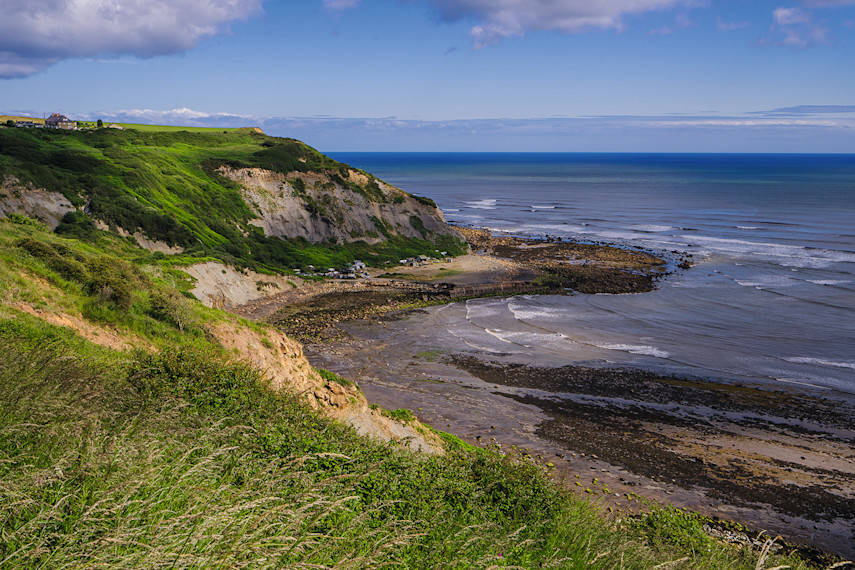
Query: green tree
x,y
10,123
100,124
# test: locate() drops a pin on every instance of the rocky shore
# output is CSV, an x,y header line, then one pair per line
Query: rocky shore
x,y
774,460
584,267
499,266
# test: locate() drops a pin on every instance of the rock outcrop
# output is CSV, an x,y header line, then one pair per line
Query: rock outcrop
x,y
26,199
315,207
286,369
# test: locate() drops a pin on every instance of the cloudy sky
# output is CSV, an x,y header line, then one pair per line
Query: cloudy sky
x,y
468,75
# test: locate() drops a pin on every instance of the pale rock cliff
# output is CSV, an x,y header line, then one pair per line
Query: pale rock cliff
x,y
313,206
26,199
225,287
286,369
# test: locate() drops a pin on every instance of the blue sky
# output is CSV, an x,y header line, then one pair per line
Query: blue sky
x,y
467,75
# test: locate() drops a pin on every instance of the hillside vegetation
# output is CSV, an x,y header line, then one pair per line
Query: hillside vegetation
x,y
170,187
130,436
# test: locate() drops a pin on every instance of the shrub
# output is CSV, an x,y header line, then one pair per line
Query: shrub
x,y
402,415
22,220
666,526
549,281
78,225
419,225
197,375
171,307
333,377
61,259
113,280
424,201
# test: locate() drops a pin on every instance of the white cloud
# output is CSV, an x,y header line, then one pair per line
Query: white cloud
x,y
338,5
181,116
499,19
794,27
35,34
790,16
730,26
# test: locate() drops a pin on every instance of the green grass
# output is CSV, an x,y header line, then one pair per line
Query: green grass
x,y
172,128
184,459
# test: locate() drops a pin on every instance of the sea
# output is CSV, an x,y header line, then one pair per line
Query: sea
x,y
770,297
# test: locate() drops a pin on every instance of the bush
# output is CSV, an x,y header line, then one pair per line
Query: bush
x,y
333,377
22,220
666,526
419,225
424,201
549,281
113,280
171,307
199,376
402,415
78,225
60,259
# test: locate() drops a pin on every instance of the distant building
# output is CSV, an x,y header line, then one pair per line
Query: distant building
x,y
115,126
57,121
26,124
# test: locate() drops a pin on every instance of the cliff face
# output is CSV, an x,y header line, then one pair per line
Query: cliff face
x,y
19,198
316,207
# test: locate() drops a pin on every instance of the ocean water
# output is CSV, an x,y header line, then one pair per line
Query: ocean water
x,y
771,297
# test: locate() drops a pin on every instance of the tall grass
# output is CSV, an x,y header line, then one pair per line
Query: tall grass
x,y
185,460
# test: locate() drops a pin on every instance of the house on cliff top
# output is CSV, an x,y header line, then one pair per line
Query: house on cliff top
x,y
57,121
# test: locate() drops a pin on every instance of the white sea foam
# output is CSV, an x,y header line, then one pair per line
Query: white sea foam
x,y
485,204
541,228
801,382
821,362
533,340
526,313
642,349
497,333
468,340
479,309
827,281
535,208
650,228
747,228
767,281
785,255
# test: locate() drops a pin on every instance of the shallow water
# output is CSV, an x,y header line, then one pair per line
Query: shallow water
x,y
771,297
